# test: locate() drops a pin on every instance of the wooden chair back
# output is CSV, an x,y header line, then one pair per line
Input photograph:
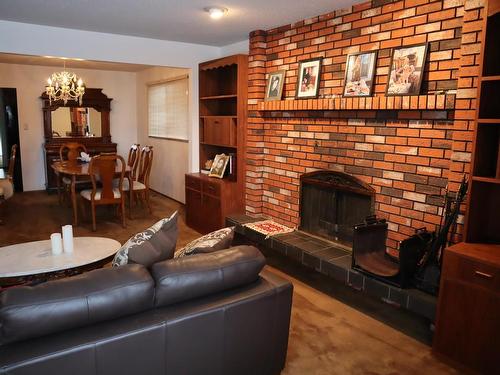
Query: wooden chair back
x,y
12,163
133,159
71,151
145,163
103,168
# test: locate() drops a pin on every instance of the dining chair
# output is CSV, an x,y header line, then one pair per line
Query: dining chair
x,y
103,168
132,163
133,159
140,185
70,151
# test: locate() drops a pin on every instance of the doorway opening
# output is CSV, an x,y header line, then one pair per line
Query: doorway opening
x,y
9,134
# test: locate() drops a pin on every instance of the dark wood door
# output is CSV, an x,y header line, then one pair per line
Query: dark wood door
x,y
468,326
193,208
211,213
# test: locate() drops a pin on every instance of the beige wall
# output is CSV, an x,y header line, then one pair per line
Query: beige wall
x,y
171,157
29,81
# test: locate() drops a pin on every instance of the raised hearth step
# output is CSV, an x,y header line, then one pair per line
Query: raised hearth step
x,y
334,260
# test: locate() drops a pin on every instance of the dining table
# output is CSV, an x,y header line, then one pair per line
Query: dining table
x,y
80,170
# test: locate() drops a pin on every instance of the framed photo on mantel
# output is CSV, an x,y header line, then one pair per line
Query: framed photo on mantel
x,y
308,78
219,166
359,73
274,87
406,70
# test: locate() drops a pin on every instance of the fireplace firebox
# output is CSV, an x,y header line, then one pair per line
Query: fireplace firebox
x,y
332,202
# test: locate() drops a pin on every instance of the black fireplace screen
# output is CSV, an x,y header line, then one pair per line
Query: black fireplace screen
x,y
331,203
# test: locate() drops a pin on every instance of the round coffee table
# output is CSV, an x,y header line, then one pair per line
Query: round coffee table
x,y
33,259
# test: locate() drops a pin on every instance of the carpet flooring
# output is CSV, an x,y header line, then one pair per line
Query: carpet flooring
x,y
333,331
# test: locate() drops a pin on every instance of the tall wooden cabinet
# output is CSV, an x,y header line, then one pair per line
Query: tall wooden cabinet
x,y
468,317
223,117
93,98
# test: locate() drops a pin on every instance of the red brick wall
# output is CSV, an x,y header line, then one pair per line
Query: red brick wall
x,y
407,156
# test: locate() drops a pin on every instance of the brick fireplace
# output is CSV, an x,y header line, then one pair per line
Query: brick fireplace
x,y
407,149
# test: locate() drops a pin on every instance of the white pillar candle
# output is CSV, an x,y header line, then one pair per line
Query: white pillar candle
x,y
67,234
57,245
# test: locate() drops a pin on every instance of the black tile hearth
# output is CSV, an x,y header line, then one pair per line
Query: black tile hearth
x,y
311,261
397,297
333,260
376,288
334,271
356,280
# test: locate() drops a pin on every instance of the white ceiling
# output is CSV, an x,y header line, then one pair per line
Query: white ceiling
x,y
176,20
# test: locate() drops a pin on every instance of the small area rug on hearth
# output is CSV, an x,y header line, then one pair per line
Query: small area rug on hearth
x,y
268,228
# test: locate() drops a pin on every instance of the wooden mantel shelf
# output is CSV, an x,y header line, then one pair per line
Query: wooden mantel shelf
x,y
440,102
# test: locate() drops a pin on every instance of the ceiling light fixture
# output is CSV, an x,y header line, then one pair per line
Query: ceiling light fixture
x,y
216,12
65,86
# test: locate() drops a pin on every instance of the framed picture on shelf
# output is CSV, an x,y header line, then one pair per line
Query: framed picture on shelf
x,y
274,87
308,78
219,166
406,70
359,73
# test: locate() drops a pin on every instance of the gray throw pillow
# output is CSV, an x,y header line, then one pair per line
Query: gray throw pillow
x,y
218,240
155,244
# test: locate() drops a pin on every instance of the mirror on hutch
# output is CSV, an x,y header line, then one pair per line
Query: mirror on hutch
x,y
87,124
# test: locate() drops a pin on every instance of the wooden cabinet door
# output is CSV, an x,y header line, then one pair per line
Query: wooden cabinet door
x,y
468,325
219,131
211,213
194,215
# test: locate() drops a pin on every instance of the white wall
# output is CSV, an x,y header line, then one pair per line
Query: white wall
x,y
29,81
171,157
235,48
39,40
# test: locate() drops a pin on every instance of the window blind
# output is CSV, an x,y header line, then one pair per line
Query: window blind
x,y
168,109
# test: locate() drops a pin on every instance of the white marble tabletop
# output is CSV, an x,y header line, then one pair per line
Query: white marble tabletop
x,y
33,258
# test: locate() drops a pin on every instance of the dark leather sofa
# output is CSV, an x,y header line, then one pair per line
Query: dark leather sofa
x,y
216,313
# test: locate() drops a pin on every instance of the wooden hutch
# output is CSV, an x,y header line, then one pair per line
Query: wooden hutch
x,y
223,117
468,317
92,99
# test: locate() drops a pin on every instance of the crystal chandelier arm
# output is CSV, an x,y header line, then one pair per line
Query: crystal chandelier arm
x,y
65,86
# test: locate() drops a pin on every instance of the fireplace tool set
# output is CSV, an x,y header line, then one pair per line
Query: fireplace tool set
x,y
420,255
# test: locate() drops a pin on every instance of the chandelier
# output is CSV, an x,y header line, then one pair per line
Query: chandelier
x,y
65,86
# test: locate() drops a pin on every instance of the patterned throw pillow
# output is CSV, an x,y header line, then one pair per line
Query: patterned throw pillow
x,y
218,240
155,244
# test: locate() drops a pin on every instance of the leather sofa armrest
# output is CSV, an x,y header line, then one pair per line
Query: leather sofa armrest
x,y
54,306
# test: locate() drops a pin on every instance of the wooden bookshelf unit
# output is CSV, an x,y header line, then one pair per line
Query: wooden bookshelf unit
x,y
468,323
482,224
223,117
